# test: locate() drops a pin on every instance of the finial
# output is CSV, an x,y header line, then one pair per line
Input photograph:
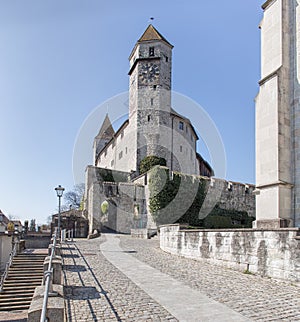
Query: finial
x,y
151,19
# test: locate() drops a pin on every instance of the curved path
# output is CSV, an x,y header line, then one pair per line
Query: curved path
x,y
138,282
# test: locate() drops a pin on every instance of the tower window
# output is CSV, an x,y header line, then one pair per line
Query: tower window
x,y
180,125
122,134
181,148
154,87
149,118
120,155
151,101
112,163
151,51
126,150
167,59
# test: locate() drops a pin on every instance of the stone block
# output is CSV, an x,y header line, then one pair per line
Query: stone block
x,y
57,269
57,250
55,307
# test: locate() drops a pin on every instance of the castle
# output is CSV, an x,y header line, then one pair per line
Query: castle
x,y
153,128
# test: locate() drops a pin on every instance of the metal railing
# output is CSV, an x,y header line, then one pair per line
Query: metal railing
x,y
7,266
48,275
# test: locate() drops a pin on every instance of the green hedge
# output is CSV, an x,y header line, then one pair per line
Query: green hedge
x,y
150,161
165,207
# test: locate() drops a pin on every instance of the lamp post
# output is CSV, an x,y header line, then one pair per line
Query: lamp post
x,y
59,191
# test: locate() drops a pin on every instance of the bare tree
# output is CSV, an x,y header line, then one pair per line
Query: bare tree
x,y
74,197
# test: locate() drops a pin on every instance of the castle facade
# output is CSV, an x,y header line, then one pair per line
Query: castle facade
x,y
153,126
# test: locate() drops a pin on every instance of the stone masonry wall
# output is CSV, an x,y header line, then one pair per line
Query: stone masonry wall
x,y
273,253
126,206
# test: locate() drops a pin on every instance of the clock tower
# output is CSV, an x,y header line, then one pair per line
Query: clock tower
x,y
150,95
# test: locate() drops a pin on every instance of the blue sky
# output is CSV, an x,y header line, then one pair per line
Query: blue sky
x,y
60,59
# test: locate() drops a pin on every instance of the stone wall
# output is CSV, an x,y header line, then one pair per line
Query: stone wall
x,y
273,253
5,249
37,240
126,209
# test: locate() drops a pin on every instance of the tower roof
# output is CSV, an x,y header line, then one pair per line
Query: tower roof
x,y
106,131
152,34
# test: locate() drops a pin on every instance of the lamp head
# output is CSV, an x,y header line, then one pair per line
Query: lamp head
x,y
59,191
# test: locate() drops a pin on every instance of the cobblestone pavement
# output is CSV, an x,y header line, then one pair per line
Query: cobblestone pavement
x,y
260,299
96,291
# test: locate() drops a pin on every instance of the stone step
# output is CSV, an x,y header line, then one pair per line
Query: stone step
x,y
28,260
13,283
16,306
27,278
17,292
15,299
26,272
20,287
24,275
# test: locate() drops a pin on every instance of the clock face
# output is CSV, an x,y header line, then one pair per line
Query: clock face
x,y
148,72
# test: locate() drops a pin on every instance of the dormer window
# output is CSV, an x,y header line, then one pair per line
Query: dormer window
x,y
151,51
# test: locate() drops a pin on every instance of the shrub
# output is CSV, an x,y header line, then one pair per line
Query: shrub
x,y
150,161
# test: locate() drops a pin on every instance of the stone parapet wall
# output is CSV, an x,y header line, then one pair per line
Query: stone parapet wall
x,y
273,253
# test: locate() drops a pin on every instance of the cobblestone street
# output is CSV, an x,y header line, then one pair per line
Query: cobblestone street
x,y
97,291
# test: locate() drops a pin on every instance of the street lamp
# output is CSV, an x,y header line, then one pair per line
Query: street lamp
x,y
59,191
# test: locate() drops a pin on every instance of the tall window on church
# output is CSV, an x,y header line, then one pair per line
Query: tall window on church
x,y
151,101
149,118
120,155
180,125
112,163
151,51
181,148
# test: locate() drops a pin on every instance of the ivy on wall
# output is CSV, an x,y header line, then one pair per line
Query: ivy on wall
x,y
150,161
109,175
184,194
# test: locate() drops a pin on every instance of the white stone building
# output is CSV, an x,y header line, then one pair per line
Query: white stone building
x,y
278,117
153,127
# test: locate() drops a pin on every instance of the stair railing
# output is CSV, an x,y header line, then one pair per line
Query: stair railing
x,y
7,266
48,281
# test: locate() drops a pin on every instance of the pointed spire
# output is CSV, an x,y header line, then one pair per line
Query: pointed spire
x,y
152,34
106,131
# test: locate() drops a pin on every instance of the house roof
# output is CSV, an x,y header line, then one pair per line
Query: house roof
x,y
3,218
106,131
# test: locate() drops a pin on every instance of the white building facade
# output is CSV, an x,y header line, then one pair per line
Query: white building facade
x,y
153,127
278,117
